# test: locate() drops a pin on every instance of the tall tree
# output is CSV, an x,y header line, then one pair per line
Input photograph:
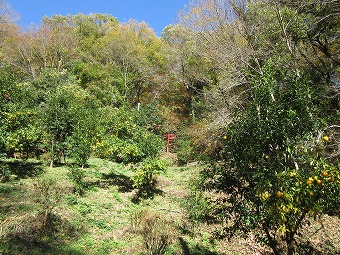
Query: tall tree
x,y
34,50
273,166
7,14
133,49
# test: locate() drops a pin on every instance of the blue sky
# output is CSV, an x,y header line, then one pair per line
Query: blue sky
x,y
157,13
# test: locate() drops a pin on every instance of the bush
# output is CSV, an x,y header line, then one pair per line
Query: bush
x,y
184,150
200,207
145,178
47,195
156,231
76,176
121,137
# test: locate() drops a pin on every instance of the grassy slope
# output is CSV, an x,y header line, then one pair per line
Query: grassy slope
x,y
99,221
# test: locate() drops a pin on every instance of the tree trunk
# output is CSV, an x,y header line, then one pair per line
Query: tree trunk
x,y
290,240
52,152
272,242
290,246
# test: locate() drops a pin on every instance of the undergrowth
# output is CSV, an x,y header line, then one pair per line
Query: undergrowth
x,y
46,213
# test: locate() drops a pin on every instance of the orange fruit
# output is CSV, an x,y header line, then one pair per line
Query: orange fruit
x,y
325,138
324,173
319,182
279,194
310,180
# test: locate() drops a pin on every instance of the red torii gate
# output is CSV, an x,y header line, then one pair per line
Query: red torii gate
x,y
169,138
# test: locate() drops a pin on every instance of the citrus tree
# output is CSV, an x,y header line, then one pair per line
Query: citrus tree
x,y
18,128
126,135
80,141
68,124
6,90
273,168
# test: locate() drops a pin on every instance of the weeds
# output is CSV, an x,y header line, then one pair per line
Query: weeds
x,y
36,218
155,230
4,172
76,175
35,227
47,195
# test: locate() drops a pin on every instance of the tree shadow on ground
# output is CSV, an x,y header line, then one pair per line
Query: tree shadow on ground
x,y
12,195
334,210
36,247
23,169
145,193
195,250
124,183
327,248
32,239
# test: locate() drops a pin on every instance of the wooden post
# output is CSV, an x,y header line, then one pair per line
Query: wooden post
x,y
169,138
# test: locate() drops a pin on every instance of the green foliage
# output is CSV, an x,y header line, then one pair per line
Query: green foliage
x,y
68,122
19,130
49,82
184,150
47,195
145,178
122,138
4,172
200,207
272,165
57,121
102,82
25,134
76,176
149,117
83,136
76,65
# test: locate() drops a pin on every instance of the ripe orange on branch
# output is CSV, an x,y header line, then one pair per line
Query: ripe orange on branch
x,y
279,194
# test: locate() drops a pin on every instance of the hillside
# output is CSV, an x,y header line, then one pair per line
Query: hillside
x,y
108,218
246,94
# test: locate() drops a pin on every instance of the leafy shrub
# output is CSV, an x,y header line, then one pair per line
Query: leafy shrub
x,y
76,176
149,118
149,143
121,137
200,207
22,135
184,150
4,172
155,229
118,150
47,195
146,175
